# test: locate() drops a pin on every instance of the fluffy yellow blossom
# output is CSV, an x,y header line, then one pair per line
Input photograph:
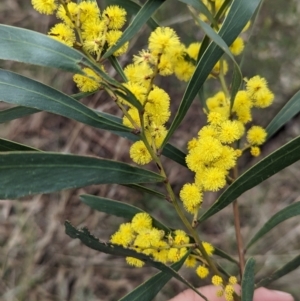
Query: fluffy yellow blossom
x,y
232,280
89,83
237,46
112,38
184,70
219,103
210,149
163,40
217,68
94,29
157,107
124,236
215,118
216,280
175,254
208,248
227,159
63,33
147,237
202,271
158,133
139,153
256,135
137,90
193,50
134,114
191,197
228,292
93,36
165,66
181,237
194,159
139,73
70,18
160,254
241,101
135,262
192,144
46,7
238,152
115,15
144,57
141,221
263,98
88,10
255,84
209,131
213,179
255,151
190,262
229,131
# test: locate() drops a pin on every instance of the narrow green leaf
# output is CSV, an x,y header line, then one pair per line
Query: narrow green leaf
x,y
291,109
248,280
175,154
7,146
146,190
150,288
169,151
26,173
15,113
201,7
237,74
19,111
128,96
284,214
264,169
239,14
115,63
22,45
287,268
224,255
133,8
92,242
222,9
30,93
145,13
117,208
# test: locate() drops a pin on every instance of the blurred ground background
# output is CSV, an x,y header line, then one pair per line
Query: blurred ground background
x,y
38,261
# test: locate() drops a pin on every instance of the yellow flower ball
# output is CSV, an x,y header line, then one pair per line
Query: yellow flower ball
x,y
46,7
256,135
141,221
216,280
115,15
202,271
237,46
135,262
139,153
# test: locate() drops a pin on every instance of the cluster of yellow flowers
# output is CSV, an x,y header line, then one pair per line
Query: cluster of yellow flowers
x,y
210,156
164,56
213,153
142,237
84,27
226,290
